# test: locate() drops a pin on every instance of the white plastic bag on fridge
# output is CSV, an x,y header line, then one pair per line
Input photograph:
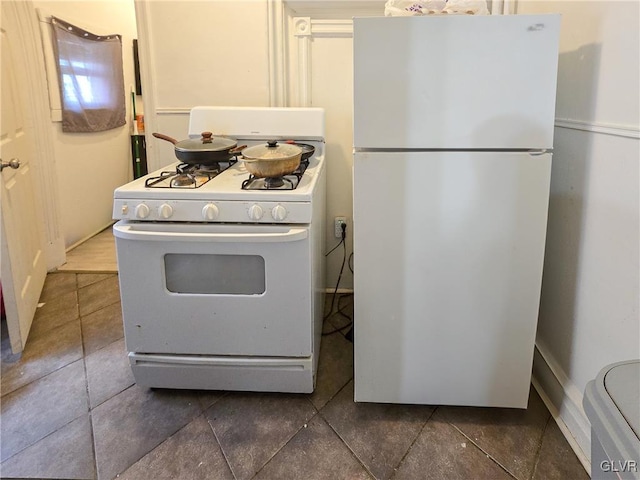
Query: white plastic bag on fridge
x,y
406,8
467,7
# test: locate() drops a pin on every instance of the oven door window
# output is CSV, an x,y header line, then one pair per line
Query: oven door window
x,y
215,274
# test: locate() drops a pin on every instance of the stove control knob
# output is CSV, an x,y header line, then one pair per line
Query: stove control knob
x,y
210,212
255,212
279,213
142,211
165,211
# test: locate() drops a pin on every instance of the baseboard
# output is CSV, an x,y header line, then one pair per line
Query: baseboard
x,y
564,401
340,290
89,237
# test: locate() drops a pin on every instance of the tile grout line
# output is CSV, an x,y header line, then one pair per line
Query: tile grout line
x,y
340,436
95,283
316,414
488,455
42,377
224,454
537,457
39,440
395,470
169,435
305,425
353,454
202,414
86,384
48,332
95,311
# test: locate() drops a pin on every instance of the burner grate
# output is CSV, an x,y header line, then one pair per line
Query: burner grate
x,y
286,182
186,176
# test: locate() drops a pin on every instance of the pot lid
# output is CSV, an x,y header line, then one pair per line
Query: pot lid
x,y
272,151
206,143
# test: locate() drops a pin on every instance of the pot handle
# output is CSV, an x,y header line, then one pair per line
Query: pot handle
x,y
238,149
162,136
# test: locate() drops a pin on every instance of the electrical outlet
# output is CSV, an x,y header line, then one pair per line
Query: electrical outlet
x,y
337,225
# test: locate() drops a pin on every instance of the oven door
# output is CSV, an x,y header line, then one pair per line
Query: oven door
x,y
216,289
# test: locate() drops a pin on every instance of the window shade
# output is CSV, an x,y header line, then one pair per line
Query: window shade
x,y
90,77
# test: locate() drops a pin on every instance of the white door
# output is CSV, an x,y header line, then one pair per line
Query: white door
x,y
448,275
23,266
461,81
216,289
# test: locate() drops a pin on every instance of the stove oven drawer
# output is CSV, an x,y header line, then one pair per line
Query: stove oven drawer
x,y
216,289
263,374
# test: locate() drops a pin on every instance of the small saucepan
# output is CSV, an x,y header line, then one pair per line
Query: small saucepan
x,y
272,160
205,150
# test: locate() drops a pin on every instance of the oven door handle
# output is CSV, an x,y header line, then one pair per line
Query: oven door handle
x,y
129,233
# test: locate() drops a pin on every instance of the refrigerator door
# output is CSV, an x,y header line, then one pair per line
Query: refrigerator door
x,y
455,82
448,270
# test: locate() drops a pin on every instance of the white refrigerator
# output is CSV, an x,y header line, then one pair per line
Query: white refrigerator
x,y
453,133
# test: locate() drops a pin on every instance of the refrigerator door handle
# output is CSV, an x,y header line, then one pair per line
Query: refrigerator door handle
x,y
538,152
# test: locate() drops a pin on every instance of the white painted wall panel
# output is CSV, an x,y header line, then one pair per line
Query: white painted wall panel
x,y
589,311
599,69
209,53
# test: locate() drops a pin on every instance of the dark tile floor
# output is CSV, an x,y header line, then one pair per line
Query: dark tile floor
x,y
70,409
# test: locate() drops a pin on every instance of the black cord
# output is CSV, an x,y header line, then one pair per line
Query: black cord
x,y
341,242
344,256
341,309
341,312
335,290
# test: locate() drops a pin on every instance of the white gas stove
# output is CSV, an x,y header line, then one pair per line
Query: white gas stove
x,y
223,198
222,286
220,199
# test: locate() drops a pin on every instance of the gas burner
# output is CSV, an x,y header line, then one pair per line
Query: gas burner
x,y
276,182
186,176
181,180
289,182
286,182
200,169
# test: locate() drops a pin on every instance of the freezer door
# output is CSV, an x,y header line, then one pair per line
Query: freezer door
x,y
449,253
459,82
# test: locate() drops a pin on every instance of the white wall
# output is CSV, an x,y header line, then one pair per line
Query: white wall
x,y
90,166
589,314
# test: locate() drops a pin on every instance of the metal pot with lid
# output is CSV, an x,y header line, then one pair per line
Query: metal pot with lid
x,y
272,160
204,150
